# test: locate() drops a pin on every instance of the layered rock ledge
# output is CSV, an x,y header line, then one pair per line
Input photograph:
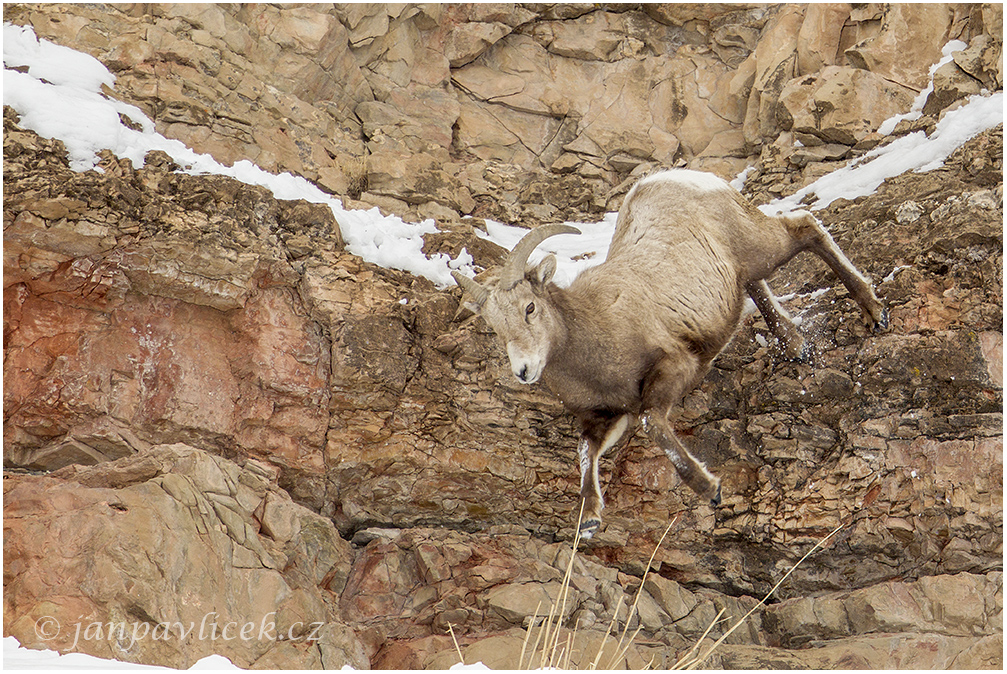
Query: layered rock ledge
x,y
210,407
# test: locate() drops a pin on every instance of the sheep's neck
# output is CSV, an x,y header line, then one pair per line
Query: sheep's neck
x,y
588,367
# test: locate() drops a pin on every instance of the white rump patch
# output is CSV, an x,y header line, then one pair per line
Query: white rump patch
x,y
700,180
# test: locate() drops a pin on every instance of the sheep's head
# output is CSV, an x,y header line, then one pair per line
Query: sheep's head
x,y
517,305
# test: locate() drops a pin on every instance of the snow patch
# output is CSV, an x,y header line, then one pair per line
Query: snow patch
x,y
60,97
916,110
16,657
891,277
57,65
462,667
739,181
914,152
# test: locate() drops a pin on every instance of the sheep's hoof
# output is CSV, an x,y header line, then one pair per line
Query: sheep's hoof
x,y
803,354
589,527
882,323
715,501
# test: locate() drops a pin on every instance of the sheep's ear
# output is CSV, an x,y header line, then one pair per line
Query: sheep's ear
x,y
544,271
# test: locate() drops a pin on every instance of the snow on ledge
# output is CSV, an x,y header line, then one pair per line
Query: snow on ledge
x,y
914,152
59,96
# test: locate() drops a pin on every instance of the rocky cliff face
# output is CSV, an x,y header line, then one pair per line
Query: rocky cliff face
x,y
521,112
211,408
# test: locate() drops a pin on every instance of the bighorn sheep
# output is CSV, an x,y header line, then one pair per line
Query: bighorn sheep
x,y
630,337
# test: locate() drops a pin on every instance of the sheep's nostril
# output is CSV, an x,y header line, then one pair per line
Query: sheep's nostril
x,y
523,374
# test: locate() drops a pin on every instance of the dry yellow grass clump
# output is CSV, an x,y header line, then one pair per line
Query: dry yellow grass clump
x,y
546,647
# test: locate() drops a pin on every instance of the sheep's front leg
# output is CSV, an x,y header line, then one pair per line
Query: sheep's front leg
x,y
693,471
590,489
598,436
675,375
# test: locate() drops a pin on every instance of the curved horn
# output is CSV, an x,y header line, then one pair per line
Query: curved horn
x,y
477,292
513,270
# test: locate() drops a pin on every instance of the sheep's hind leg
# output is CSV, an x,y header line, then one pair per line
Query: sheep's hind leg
x,y
599,435
779,322
813,237
693,472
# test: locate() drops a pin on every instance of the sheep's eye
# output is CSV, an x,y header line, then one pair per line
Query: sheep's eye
x,y
530,309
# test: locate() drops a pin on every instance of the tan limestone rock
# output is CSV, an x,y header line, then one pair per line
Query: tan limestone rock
x,y
776,64
677,14
469,40
819,38
983,60
174,545
840,104
951,84
889,55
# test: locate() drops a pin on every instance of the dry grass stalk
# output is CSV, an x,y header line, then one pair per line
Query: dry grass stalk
x,y
608,631
621,650
527,636
555,657
552,624
687,657
686,663
458,650
560,656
